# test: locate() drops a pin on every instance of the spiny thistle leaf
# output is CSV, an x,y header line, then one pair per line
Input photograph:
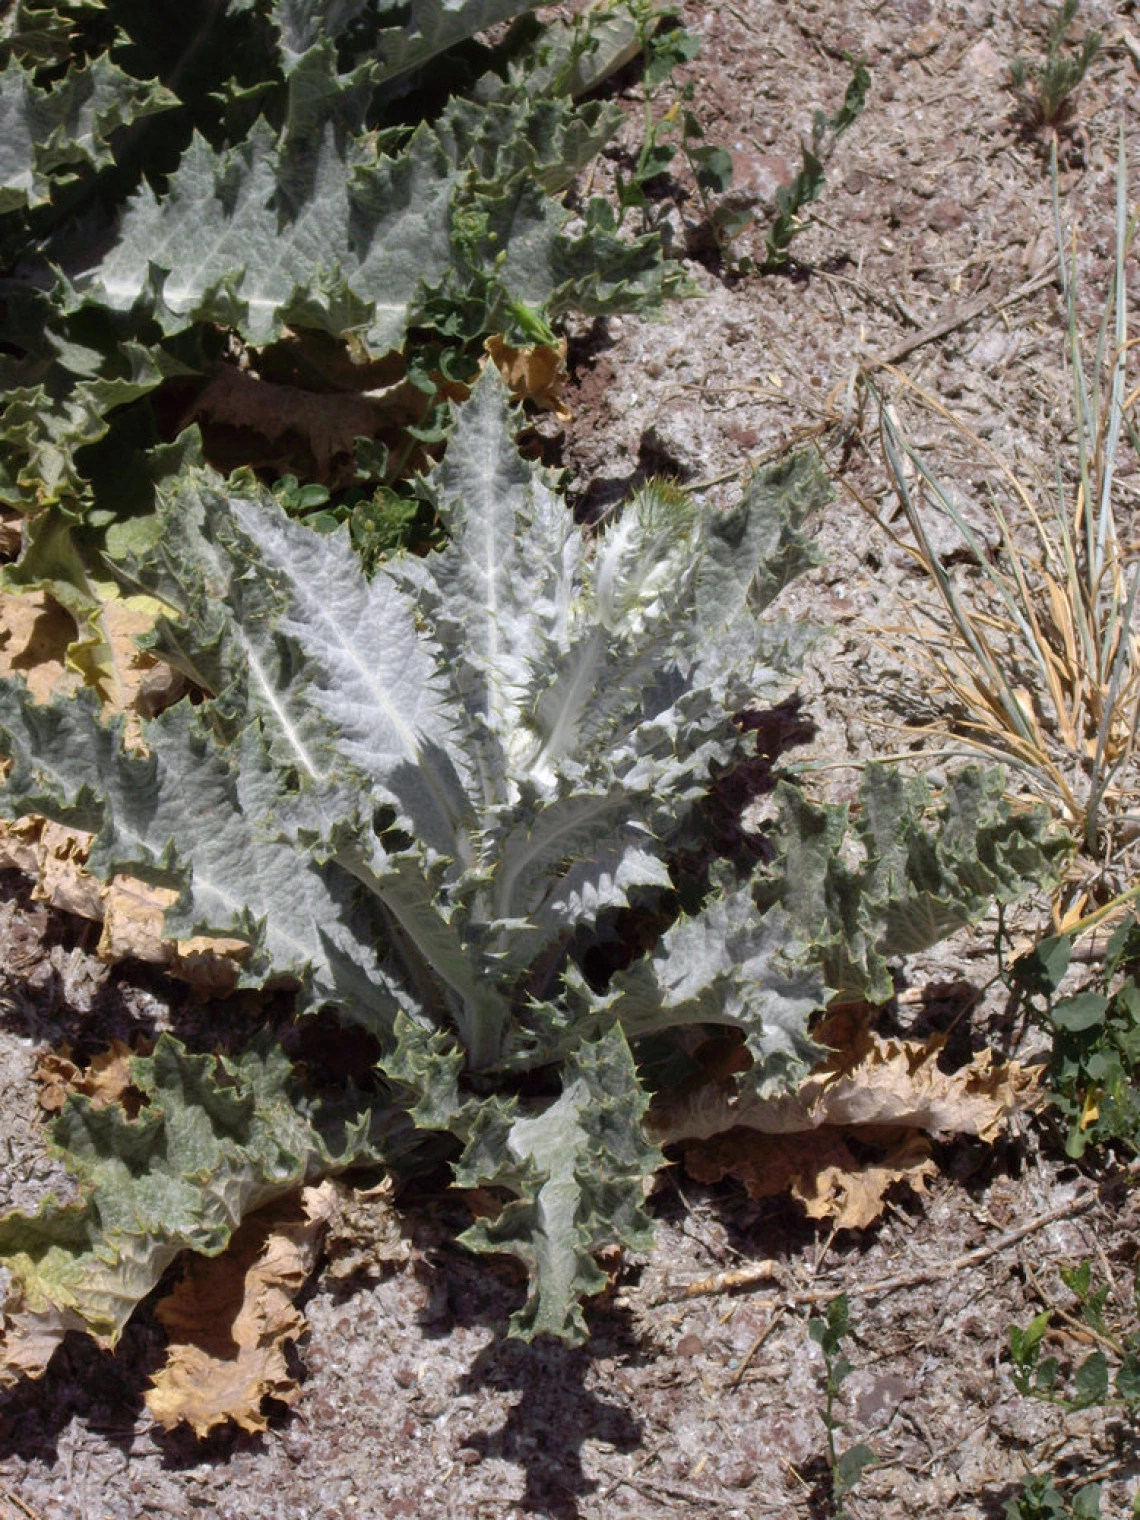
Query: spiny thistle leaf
x,y
46,136
579,1168
930,867
213,1138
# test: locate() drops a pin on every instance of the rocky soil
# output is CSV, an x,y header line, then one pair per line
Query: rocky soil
x,y
931,249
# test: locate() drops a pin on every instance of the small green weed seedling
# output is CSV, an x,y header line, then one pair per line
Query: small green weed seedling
x,y
710,164
1107,1378
809,182
1095,1060
1045,90
664,51
846,1466
1040,1499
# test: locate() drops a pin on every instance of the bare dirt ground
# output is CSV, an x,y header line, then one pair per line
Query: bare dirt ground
x,y
932,247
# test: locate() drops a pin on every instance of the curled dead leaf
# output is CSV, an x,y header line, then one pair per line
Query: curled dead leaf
x,y
858,1124
132,921
819,1168
42,643
868,1080
53,855
232,1316
29,1339
311,431
534,374
132,911
35,635
364,1231
105,1080
211,966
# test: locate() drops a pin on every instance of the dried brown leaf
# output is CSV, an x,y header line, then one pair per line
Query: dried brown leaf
x,y
819,1168
54,855
856,1126
534,374
364,1231
309,431
105,1080
232,1316
868,1081
35,635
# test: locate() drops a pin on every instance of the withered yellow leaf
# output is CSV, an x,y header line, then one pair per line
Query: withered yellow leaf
x,y
869,1080
818,1168
232,1316
890,1095
365,1231
534,374
54,855
35,635
105,1080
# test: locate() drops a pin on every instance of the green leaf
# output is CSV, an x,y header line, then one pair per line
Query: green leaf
x,y
1090,1381
1024,1344
213,1138
728,965
428,28
1043,968
580,1169
46,136
851,1466
253,239
413,797
238,875
1085,1011
1127,1383
927,869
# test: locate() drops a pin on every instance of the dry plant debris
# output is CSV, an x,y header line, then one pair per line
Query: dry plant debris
x,y
41,642
131,910
861,1122
106,1078
231,1317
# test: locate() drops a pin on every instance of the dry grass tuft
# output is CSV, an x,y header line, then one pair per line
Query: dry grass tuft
x,y
1035,645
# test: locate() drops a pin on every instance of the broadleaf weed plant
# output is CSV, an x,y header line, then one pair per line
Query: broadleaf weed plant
x,y
1036,645
1094,1063
1041,1499
845,1464
664,48
1107,1377
807,186
677,129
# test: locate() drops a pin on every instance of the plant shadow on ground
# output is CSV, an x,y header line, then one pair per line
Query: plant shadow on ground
x,y
102,1389
602,494
555,1411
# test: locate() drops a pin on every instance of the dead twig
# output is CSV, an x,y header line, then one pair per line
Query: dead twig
x,y
947,1451
649,1488
738,1376
764,1271
943,1269
25,1509
983,305
1079,1330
